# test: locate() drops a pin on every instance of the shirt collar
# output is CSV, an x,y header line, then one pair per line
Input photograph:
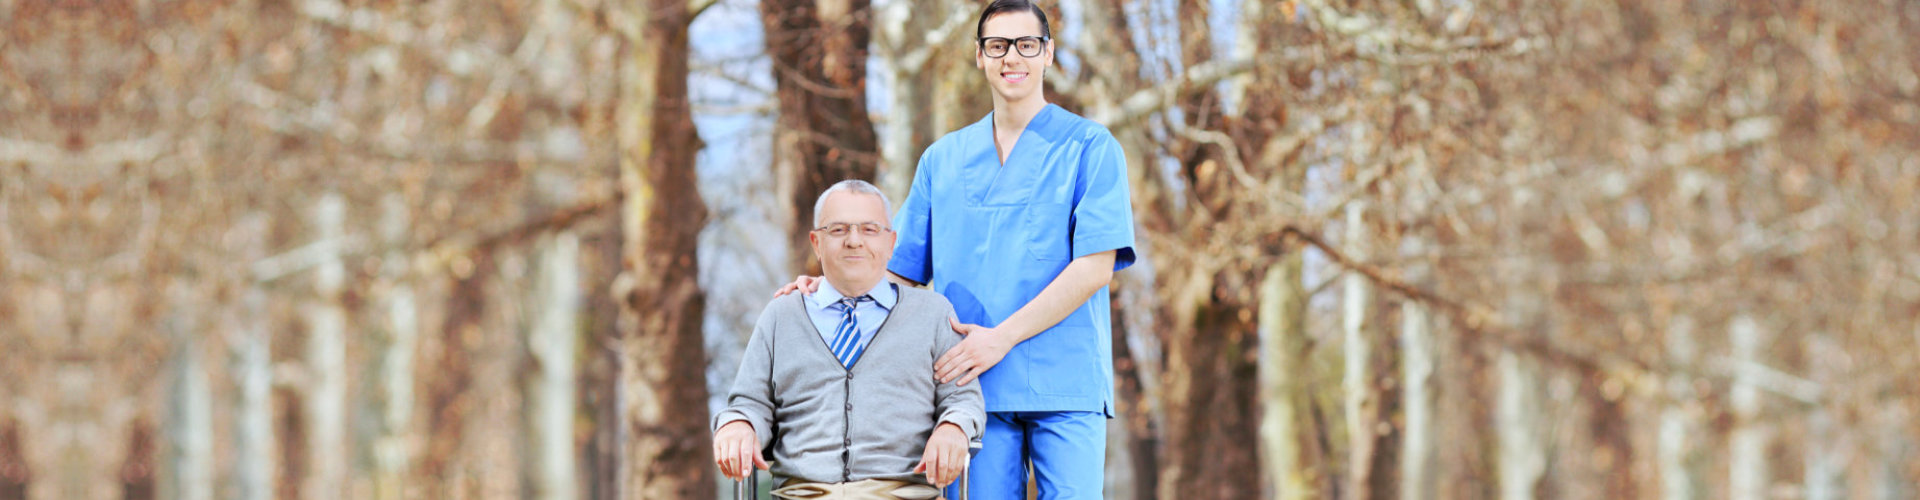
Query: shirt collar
x,y
885,294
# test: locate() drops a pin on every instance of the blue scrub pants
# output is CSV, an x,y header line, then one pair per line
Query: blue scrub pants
x,y
1068,450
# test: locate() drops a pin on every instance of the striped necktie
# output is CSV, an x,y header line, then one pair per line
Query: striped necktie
x,y
846,339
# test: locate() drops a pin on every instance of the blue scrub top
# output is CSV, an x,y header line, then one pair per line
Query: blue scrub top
x,y
990,237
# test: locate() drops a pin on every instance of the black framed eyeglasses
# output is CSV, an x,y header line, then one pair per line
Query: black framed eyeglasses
x,y
1028,46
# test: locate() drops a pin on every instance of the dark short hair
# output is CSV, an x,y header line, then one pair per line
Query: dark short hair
x,y
999,7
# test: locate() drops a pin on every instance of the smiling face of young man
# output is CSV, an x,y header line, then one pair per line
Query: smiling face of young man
x,y
1015,77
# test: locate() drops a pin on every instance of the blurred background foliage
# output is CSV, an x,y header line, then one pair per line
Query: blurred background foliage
x,y
1419,249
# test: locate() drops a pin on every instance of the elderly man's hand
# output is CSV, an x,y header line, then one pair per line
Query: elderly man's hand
x,y
945,457
737,450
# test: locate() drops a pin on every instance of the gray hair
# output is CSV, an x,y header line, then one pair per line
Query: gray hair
x,y
853,185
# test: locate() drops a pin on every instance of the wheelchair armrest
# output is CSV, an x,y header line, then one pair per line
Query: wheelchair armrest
x,y
746,490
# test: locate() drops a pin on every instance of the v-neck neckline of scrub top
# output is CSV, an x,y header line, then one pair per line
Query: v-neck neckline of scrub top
x,y
1022,147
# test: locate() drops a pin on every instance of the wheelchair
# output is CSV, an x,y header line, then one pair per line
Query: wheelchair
x,y
749,489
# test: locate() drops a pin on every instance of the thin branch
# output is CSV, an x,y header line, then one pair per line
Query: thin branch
x,y
440,253
138,151
29,152
1474,318
720,72
697,7
1770,379
908,54
762,109
462,60
1783,239
1386,38
1281,147
1359,187
1745,132
1324,284
1129,110
823,89
306,257
1229,150
287,116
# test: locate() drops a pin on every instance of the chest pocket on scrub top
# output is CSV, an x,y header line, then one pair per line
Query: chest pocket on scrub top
x,y
1049,231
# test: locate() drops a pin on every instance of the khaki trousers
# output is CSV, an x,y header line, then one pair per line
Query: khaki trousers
x,y
863,489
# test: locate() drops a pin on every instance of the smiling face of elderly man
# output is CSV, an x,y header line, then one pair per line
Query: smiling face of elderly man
x,y
852,239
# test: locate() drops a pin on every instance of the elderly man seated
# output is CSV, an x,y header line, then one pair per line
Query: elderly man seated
x,y
839,383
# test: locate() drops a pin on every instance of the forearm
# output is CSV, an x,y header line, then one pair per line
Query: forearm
x,y
750,399
1067,292
963,407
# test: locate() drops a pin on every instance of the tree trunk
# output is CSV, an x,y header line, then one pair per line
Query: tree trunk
x,y
1893,467
1356,381
253,440
1417,397
916,49
1208,308
1606,452
819,52
1827,451
600,388
1679,456
1368,375
137,469
551,340
905,137
251,362
1126,462
449,386
393,398
326,360
1138,363
1283,349
188,462
662,374
1747,460
1209,387
1521,426
1291,430
1133,468
16,478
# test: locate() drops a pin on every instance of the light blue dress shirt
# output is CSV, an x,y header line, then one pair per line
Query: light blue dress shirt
x,y
870,315
990,237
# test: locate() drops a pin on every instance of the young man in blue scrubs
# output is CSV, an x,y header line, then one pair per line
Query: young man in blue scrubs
x,y
1020,220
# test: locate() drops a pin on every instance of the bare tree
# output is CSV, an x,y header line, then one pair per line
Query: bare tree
x,y
251,360
924,61
552,332
819,50
396,344
326,318
666,453
1366,384
189,422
